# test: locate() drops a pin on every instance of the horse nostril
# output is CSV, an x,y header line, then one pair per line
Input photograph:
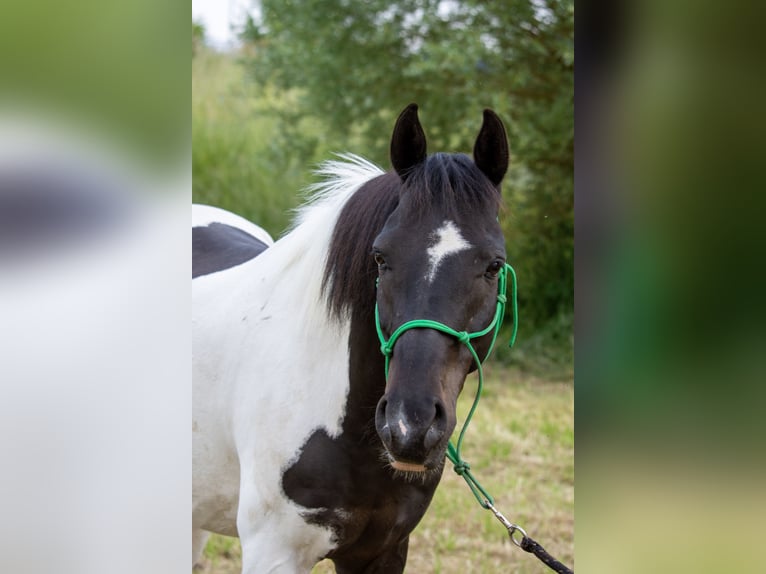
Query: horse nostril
x,y
380,412
384,431
439,415
435,432
433,435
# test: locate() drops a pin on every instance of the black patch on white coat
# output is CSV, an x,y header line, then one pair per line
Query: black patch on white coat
x,y
218,246
348,473
378,509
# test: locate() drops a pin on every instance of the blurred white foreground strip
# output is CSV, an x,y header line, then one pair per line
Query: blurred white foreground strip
x,y
94,358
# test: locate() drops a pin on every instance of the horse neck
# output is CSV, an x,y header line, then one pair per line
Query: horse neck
x,y
367,379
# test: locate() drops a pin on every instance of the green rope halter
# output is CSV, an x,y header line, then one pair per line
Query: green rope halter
x,y
461,467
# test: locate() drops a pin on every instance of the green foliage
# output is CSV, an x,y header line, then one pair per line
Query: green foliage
x,y
354,65
116,69
237,163
547,349
198,36
251,32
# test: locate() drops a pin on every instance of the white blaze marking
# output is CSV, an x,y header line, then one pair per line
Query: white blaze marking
x,y
402,427
448,241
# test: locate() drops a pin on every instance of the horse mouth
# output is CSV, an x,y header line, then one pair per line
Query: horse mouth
x,y
407,466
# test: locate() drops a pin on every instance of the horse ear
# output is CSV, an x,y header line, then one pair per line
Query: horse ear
x,y
408,142
490,152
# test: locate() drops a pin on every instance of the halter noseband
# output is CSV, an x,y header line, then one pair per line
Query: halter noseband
x,y
387,348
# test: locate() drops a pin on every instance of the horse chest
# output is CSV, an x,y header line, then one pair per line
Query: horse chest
x,y
346,488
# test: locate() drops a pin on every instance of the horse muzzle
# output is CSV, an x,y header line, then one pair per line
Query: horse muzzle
x,y
414,434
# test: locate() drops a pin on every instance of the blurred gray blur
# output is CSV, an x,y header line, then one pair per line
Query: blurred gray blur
x,y
94,297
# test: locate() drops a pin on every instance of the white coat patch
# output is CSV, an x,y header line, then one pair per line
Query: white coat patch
x,y
447,241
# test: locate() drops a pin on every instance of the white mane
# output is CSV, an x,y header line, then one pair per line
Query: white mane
x,y
303,249
342,177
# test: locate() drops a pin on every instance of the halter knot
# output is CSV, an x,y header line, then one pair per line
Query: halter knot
x,y
463,337
461,467
501,298
386,349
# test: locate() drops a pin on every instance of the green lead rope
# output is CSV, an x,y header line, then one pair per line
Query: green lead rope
x,y
461,467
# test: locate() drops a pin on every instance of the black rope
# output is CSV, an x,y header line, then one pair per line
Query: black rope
x,y
527,544
531,546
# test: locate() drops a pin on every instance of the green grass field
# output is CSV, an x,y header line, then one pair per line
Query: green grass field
x,y
521,448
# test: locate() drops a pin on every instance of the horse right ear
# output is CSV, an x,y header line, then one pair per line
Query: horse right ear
x,y
408,142
490,152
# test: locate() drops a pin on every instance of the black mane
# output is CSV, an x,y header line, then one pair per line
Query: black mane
x,y
450,183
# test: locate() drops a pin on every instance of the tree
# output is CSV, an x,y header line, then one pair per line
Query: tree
x,y
198,36
354,65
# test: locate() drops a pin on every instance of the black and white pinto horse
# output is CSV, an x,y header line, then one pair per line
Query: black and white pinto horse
x,y
302,446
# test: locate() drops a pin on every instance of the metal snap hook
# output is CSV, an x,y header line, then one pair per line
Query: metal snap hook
x,y
516,528
512,528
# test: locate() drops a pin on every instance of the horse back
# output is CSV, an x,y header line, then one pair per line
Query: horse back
x,y
222,240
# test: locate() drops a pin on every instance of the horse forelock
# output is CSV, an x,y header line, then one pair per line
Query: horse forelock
x,y
450,184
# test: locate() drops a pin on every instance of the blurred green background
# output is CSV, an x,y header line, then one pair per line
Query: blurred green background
x,y
313,77
111,69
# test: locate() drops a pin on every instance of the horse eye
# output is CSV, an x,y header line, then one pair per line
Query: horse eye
x,y
494,268
379,259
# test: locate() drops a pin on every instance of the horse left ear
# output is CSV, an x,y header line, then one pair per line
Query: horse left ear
x,y
490,152
408,142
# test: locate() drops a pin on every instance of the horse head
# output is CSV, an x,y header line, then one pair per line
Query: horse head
x,y
439,256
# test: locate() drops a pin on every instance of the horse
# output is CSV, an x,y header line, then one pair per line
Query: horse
x,y
308,441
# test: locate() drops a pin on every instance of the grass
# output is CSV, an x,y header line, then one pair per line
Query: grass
x,y
521,448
